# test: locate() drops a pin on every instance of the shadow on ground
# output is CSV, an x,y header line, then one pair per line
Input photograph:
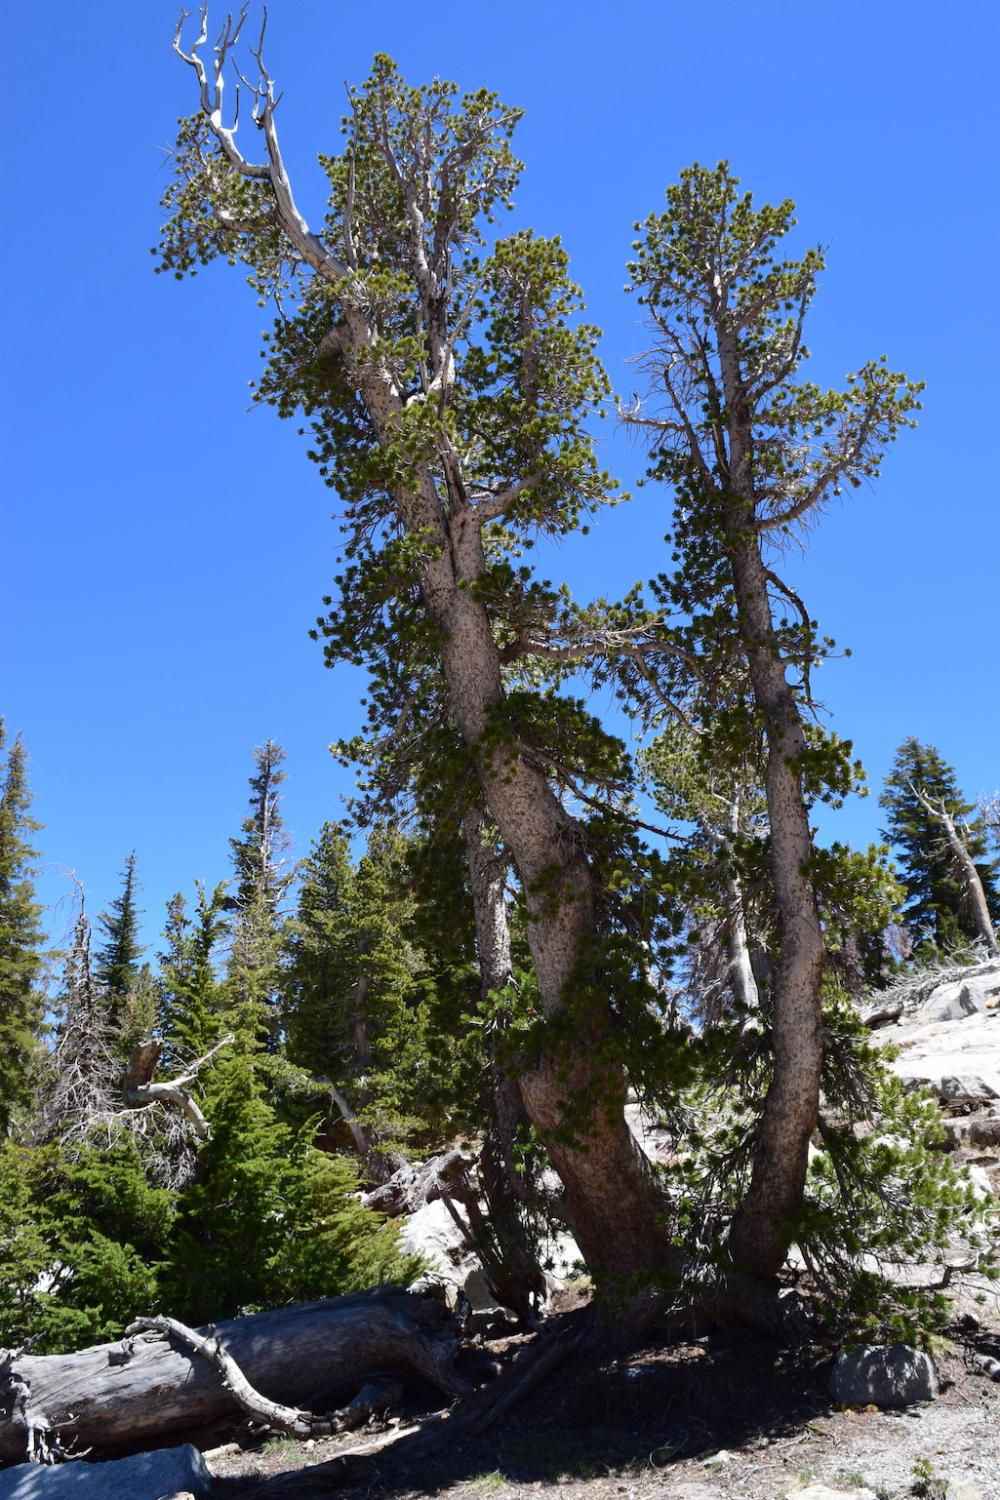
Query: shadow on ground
x,y
660,1406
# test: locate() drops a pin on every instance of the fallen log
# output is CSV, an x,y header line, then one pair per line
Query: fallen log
x,y
274,1415
145,1387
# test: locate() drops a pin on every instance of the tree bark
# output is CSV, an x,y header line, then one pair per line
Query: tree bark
x,y
145,1389
761,1230
140,1090
760,1233
516,1278
740,970
606,1178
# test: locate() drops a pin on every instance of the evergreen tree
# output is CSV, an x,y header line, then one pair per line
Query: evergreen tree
x,y
269,1219
263,874
85,1235
362,998
750,450
117,966
449,384
938,907
351,962
139,1011
192,995
21,1006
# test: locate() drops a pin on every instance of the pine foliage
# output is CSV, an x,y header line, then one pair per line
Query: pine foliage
x,y
936,908
117,961
20,938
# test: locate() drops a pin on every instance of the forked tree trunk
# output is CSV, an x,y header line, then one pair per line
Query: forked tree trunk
x,y
144,1389
607,1181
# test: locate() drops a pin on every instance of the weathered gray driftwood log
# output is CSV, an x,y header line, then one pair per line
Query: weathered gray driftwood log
x,y
145,1388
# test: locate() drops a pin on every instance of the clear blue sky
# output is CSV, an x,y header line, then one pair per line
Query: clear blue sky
x,y
166,549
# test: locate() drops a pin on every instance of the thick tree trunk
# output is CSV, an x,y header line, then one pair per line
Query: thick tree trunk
x,y
607,1180
144,1389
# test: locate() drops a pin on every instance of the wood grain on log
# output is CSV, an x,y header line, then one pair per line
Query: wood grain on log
x,y
142,1388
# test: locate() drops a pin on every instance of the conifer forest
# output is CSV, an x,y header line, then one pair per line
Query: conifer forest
x,y
576,1100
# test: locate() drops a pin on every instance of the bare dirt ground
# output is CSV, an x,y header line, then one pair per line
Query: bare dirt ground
x,y
727,1417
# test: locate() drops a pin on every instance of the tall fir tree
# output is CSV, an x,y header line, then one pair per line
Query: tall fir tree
x,y
263,873
21,1007
117,966
192,993
938,908
359,996
269,1219
260,855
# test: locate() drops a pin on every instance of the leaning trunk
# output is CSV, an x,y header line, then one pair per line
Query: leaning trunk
x,y
972,885
606,1178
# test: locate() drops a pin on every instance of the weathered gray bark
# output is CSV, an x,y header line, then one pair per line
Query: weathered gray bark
x,y
362,1135
970,875
145,1389
276,1415
140,1089
761,1230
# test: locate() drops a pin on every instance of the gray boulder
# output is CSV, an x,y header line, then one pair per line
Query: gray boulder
x,y
966,1089
964,996
143,1476
883,1375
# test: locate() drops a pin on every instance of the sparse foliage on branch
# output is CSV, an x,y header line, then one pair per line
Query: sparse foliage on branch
x,y
752,452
